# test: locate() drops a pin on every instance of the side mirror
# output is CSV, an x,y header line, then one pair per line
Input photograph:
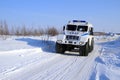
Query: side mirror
x,y
63,28
91,31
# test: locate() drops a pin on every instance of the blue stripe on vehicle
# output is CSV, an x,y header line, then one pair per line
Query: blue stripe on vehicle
x,y
84,34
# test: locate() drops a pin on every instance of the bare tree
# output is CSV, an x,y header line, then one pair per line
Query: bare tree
x,y
52,31
17,31
12,30
1,28
25,30
6,30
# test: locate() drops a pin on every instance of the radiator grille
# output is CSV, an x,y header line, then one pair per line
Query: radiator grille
x,y
69,37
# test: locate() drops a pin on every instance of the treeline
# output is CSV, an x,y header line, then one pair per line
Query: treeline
x,y
25,30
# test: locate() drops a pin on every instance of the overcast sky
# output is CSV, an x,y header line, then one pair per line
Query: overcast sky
x,y
103,14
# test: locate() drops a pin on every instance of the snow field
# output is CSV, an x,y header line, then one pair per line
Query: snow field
x,y
34,58
108,63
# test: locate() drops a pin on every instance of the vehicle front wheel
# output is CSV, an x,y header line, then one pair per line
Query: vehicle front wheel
x,y
60,48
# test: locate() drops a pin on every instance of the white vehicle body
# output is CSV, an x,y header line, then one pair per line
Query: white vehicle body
x,y
76,33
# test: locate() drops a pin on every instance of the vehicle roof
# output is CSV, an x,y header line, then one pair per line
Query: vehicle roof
x,y
82,23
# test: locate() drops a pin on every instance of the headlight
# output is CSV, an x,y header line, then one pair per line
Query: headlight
x,y
60,41
81,43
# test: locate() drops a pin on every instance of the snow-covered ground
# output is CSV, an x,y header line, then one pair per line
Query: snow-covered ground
x,y
34,58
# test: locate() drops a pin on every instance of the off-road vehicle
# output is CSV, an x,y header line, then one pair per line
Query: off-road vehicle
x,y
76,34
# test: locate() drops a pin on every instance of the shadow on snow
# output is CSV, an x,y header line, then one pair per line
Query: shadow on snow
x,y
45,45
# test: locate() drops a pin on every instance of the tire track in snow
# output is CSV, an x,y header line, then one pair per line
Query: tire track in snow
x,y
54,71
61,70
69,69
84,70
34,68
64,73
56,67
88,64
42,58
21,54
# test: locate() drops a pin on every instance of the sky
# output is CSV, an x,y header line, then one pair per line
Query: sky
x,y
103,14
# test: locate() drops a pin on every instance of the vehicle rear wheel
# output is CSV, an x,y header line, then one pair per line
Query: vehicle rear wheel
x,y
83,51
92,46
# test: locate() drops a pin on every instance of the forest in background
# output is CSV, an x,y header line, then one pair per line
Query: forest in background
x,y
24,30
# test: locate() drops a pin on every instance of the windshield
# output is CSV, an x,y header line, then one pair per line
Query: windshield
x,y
82,28
71,27
78,28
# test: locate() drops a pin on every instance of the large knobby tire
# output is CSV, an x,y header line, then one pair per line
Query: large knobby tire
x,y
92,45
83,51
60,48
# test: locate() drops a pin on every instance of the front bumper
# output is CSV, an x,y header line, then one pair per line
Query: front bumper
x,y
69,42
